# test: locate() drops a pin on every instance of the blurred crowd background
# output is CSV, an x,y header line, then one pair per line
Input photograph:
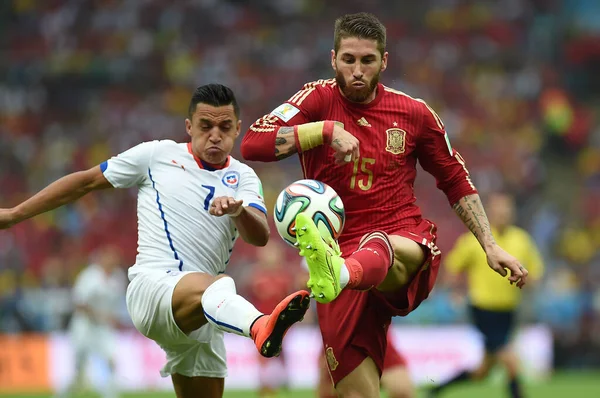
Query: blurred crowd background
x,y
515,81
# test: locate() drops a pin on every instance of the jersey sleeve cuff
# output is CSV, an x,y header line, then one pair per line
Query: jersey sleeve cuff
x,y
259,207
103,168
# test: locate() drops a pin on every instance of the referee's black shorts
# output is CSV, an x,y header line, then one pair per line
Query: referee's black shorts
x,y
495,326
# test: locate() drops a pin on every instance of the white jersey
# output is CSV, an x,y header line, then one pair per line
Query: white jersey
x,y
175,230
103,294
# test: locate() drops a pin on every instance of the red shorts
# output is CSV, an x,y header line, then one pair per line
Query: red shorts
x,y
354,326
393,359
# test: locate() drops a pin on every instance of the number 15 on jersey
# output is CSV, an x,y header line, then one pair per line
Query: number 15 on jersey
x,y
362,175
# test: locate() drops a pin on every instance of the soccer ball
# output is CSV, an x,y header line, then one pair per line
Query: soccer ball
x,y
314,198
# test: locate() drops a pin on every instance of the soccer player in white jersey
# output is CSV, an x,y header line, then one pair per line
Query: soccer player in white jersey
x,y
194,200
98,295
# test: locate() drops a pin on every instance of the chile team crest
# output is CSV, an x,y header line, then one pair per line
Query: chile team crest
x,y
231,179
395,140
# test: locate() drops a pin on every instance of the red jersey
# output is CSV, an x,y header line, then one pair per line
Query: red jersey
x,y
395,131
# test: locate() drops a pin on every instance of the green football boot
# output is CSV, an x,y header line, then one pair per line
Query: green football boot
x,y
324,260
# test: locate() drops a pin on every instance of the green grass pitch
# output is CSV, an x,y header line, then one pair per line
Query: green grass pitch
x,y
562,385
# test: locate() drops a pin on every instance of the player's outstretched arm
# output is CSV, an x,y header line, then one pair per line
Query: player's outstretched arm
x,y
437,157
281,142
298,125
62,191
250,222
471,212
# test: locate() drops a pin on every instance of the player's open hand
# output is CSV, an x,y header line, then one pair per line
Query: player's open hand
x,y
500,261
345,145
7,218
225,205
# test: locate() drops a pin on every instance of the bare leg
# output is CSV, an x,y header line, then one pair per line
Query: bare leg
x,y
362,382
408,259
197,387
397,383
509,359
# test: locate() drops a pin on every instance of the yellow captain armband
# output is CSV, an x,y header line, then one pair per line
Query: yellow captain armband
x,y
311,135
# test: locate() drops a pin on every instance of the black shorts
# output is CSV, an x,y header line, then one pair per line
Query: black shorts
x,y
495,326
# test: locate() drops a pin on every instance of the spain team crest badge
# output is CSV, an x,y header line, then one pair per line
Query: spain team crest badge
x,y
395,140
331,361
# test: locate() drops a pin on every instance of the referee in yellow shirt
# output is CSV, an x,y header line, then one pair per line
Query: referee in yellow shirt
x,y
493,302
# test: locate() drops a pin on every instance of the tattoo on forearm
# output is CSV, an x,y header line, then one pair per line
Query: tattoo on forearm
x,y
284,147
471,212
285,130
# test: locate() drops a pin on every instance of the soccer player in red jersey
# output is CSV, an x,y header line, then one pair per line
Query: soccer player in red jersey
x,y
395,376
388,260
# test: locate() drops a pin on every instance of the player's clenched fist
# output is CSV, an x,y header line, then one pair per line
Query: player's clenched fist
x,y
499,260
344,144
226,205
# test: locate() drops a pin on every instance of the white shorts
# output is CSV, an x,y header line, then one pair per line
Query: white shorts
x,y
201,353
89,337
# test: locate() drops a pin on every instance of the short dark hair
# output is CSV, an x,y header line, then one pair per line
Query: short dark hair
x,y
215,95
361,25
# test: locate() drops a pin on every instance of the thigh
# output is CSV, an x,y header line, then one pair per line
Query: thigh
x,y
362,382
408,258
186,303
397,383
325,386
353,328
194,387
403,299
395,379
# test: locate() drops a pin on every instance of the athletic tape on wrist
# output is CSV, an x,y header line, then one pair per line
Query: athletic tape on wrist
x,y
312,135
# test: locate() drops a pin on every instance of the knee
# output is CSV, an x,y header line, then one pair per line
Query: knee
x,y
192,287
188,297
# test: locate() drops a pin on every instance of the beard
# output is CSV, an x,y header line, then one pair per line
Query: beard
x,y
357,94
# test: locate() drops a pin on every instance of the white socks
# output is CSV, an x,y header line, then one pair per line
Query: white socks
x,y
344,273
344,276
226,310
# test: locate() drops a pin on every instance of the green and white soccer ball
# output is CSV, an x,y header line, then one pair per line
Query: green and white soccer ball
x,y
314,198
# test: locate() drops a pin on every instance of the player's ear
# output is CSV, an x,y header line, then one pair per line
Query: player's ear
x,y
333,60
384,61
188,126
238,128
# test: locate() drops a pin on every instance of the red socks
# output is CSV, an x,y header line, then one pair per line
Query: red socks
x,y
368,266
